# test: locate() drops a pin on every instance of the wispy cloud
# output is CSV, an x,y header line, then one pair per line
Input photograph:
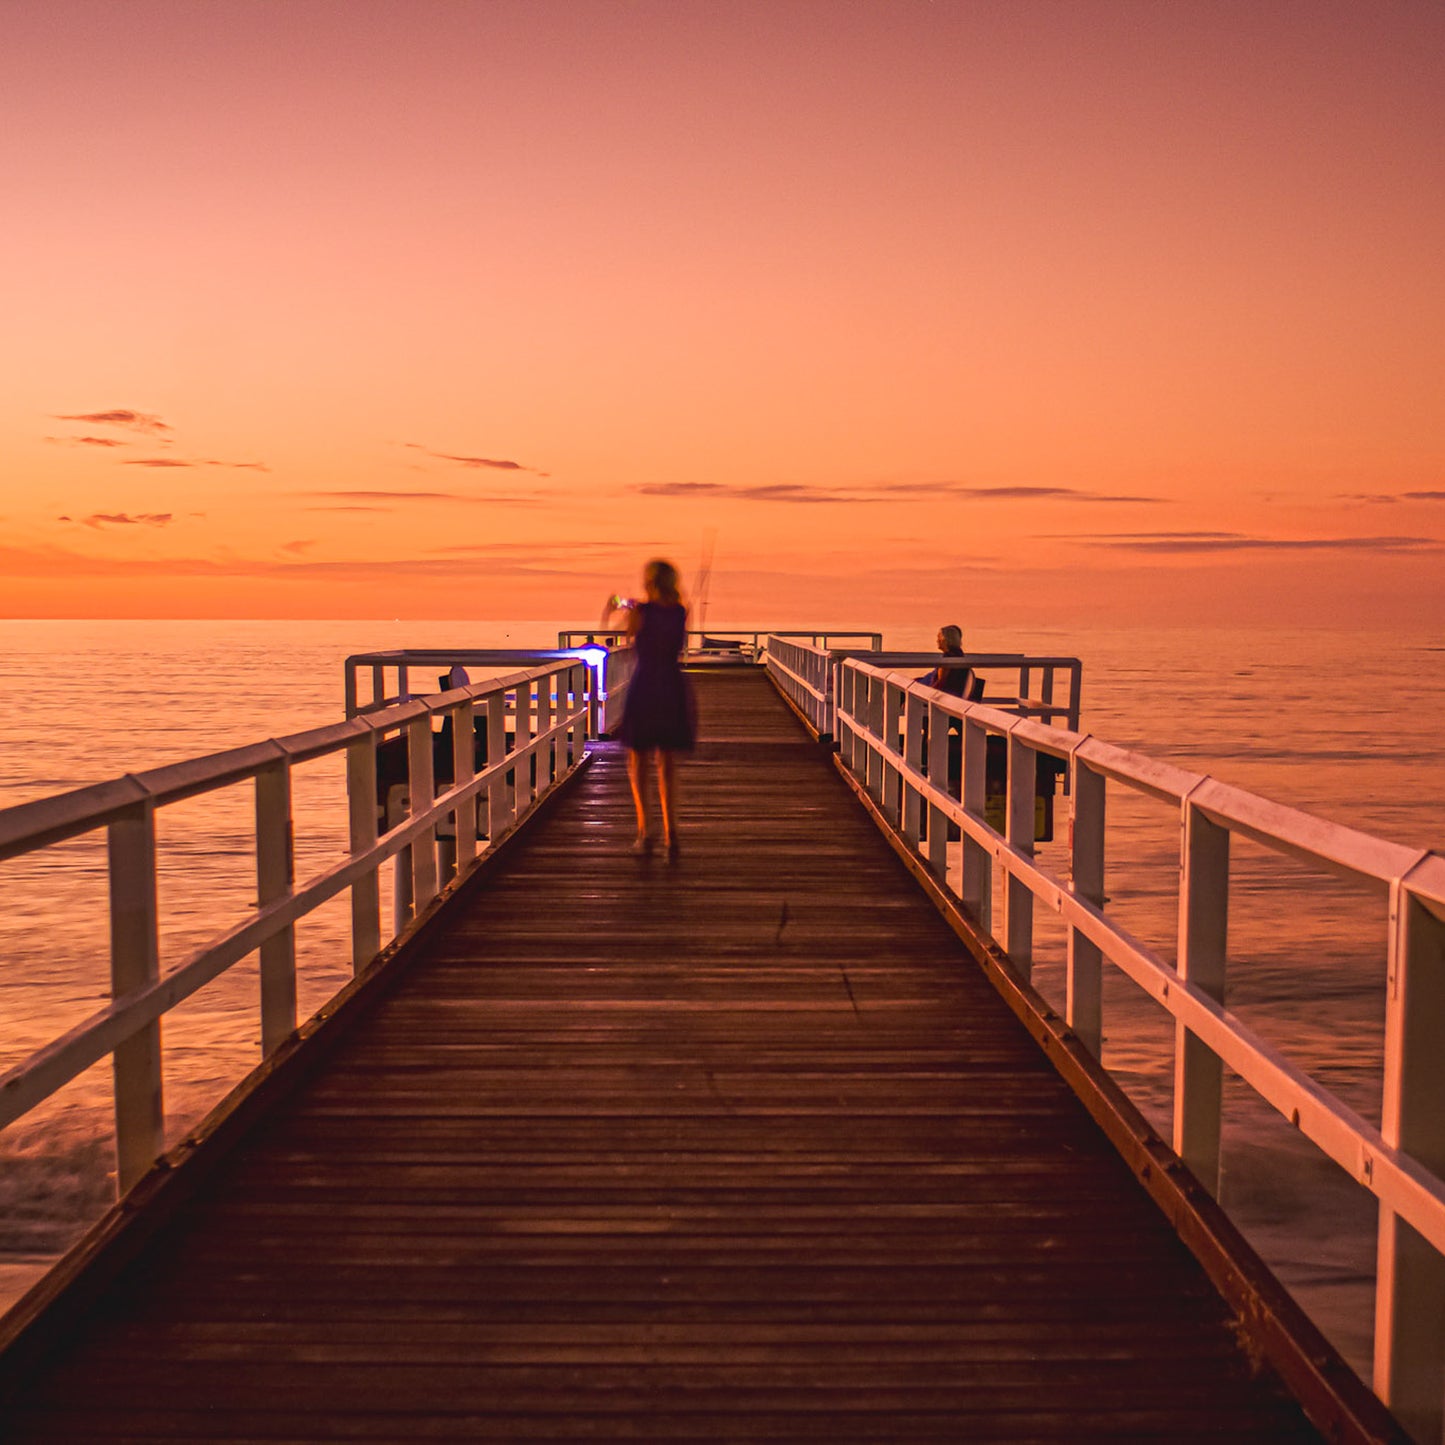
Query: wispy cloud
x,y
549,548
352,507
98,520
500,464
759,492
199,462
1048,494
1197,543
1390,498
881,492
123,417
469,498
297,548
143,424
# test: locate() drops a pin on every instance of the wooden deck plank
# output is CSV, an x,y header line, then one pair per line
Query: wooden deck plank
x,y
736,1147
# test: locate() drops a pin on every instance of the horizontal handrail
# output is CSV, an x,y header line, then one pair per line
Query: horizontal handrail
x,y
805,673
921,755
749,643
550,709
401,660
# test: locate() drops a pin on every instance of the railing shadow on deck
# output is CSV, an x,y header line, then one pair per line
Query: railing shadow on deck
x,y
893,736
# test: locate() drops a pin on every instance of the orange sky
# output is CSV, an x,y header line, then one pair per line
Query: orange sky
x,y
1044,309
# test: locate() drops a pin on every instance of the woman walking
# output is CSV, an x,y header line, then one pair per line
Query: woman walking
x,y
659,718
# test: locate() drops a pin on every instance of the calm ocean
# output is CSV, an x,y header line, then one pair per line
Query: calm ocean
x,y
1341,724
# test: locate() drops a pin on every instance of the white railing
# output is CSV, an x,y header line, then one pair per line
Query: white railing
x,y
745,644
390,672
532,726
804,672
882,720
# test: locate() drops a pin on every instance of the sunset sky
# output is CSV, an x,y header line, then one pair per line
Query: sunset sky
x,y
1119,310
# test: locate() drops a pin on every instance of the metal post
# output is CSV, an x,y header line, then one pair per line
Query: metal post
x,y
892,726
422,789
875,738
366,891
140,1136
976,888
1203,949
913,715
576,693
464,758
523,726
275,873
1018,901
1410,1280
1083,990
938,820
498,814
547,754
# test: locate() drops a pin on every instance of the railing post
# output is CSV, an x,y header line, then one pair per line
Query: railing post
x,y
874,759
547,754
913,715
578,676
464,768
499,815
1083,988
1203,950
1018,900
976,885
140,1136
522,725
422,791
351,708
892,776
378,683
275,873
366,891
1410,1279
938,821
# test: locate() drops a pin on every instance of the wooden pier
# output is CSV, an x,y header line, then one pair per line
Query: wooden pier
x,y
743,1145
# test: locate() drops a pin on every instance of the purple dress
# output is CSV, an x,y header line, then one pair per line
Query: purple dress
x,y
659,711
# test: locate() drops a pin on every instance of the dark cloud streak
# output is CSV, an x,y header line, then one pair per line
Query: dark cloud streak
x,y
896,492
138,421
1204,545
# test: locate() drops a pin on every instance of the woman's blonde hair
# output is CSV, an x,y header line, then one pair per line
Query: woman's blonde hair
x,y
661,577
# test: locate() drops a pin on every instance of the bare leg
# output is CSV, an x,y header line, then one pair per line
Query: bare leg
x,y
637,769
667,795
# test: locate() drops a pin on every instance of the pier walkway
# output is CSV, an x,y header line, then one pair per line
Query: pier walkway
x,y
741,1146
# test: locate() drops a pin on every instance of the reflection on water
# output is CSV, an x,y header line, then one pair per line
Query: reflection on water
x,y
1339,725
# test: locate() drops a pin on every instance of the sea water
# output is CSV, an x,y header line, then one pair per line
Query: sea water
x,y
1343,724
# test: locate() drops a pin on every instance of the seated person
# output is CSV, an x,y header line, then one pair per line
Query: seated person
x,y
960,681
